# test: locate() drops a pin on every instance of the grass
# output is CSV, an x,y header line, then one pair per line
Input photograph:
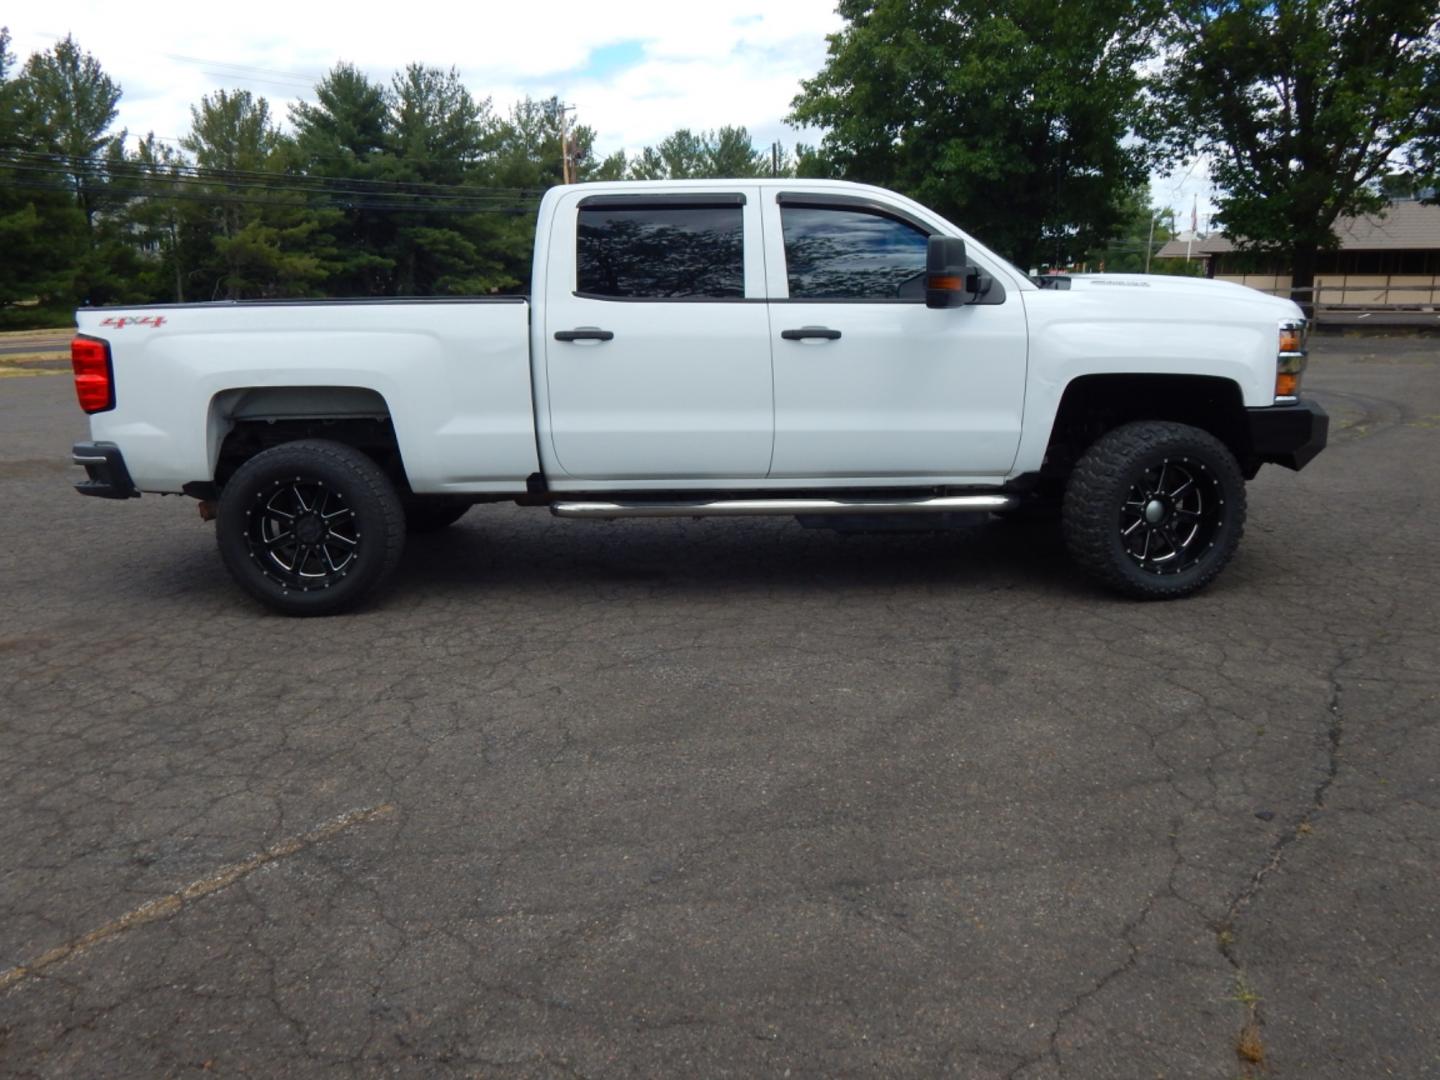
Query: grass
x,y
1249,1047
45,366
40,338
46,352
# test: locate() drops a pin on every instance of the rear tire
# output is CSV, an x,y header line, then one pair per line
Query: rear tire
x,y
1155,510
310,527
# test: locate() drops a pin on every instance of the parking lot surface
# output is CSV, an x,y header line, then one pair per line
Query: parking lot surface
x,y
730,798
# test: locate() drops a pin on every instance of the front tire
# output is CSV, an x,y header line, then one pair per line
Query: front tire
x,y
1155,510
310,527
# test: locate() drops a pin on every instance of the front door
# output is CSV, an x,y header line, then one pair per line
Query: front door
x,y
656,337
869,382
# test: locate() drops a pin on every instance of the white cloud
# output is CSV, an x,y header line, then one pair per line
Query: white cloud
x,y
699,65
702,65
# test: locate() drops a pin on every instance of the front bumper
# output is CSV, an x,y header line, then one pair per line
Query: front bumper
x,y
1289,435
105,473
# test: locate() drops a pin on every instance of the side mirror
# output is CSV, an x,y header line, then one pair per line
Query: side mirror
x,y
948,274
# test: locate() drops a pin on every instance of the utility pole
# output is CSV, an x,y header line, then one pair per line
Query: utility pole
x,y
775,159
567,154
1194,224
1150,243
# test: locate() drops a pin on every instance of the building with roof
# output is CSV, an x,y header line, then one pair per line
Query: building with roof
x,y
1386,268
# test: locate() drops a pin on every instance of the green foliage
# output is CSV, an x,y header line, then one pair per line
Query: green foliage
x,y
1032,123
725,153
67,104
1015,117
1304,105
344,136
1123,252
59,248
257,239
1143,228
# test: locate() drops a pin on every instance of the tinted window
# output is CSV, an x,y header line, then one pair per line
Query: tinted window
x,y
662,252
833,253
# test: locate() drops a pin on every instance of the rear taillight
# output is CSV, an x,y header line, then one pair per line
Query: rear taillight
x,y
94,377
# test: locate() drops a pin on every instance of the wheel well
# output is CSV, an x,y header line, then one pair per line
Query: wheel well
x,y
247,420
1095,404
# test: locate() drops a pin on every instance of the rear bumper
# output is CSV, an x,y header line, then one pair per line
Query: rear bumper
x,y
1289,435
105,473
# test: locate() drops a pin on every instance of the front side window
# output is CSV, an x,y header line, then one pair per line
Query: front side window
x,y
836,253
661,252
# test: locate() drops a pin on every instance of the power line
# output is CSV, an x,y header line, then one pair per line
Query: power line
x,y
143,184
310,154
219,197
255,195
238,176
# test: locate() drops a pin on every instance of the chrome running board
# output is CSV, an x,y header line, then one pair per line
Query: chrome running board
x,y
936,504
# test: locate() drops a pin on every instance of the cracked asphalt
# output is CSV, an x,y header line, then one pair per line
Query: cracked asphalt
x,y
730,798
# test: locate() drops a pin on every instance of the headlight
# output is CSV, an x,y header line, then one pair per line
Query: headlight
x,y
1290,360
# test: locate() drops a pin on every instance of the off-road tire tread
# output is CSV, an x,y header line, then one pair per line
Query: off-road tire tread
x,y
374,484
1089,520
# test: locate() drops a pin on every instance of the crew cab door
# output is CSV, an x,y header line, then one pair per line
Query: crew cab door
x,y
656,337
869,382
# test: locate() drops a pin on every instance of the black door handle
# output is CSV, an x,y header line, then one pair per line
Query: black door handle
x,y
810,332
584,333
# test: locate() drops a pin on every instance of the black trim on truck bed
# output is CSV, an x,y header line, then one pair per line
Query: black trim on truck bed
x,y
1289,435
353,301
105,471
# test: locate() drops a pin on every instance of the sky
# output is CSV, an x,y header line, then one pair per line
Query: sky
x,y
636,70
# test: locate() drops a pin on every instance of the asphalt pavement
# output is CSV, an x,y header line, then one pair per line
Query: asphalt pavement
x,y
730,798
57,342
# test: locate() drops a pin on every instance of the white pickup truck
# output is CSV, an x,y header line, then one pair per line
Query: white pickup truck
x,y
709,348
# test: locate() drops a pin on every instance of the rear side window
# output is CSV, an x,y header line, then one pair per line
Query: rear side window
x,y
834,253
664,252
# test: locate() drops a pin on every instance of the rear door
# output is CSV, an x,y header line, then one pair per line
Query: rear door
x,y
869,382
657,344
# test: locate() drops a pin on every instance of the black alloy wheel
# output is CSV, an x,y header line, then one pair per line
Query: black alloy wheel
x,y
310,527
1171,516
1155,509
302,534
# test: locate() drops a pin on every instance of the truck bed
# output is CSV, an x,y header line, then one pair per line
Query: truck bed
x,y
452,375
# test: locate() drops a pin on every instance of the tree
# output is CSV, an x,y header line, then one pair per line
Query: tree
x,y
262,235
1304,105
686,155
437,128
527,161
1014,117
530,154
344,136
1143,230
35,266
647,165
68,104
63,107
7,104
440,135
349,122
731,153
157,221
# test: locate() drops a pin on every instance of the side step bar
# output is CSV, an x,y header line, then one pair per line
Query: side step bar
x,y
936,504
